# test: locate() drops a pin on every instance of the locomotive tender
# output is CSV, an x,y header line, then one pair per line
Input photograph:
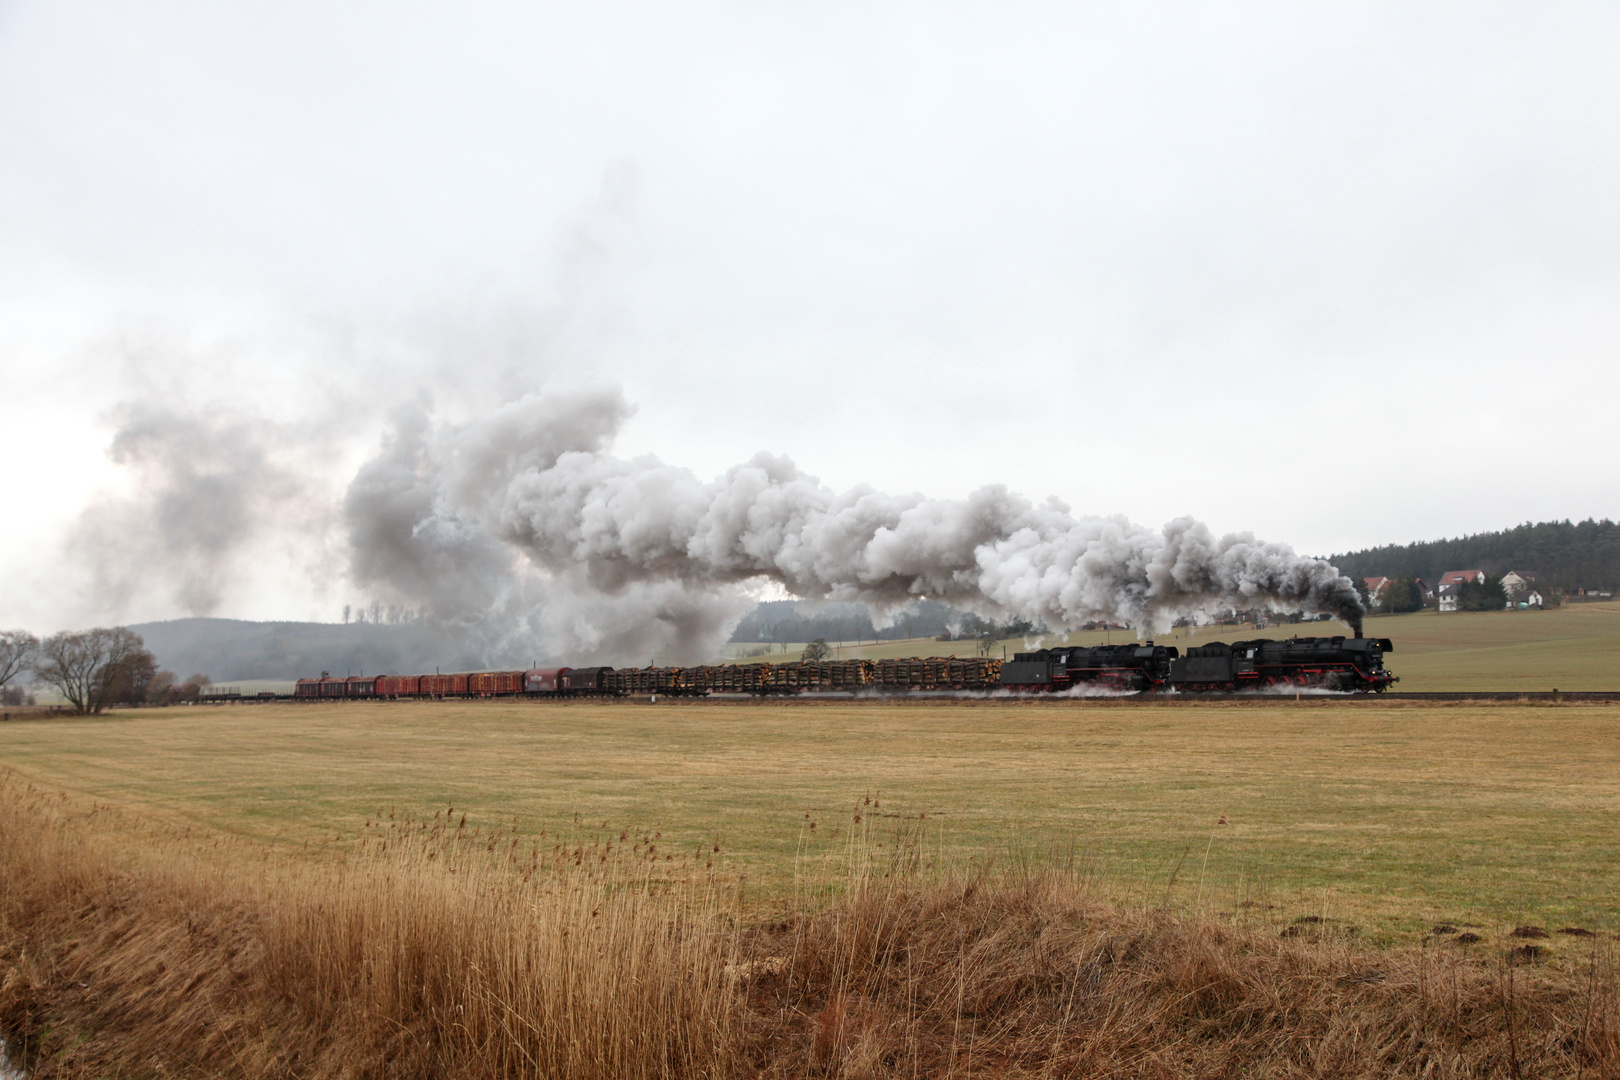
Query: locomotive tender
x,y
1354,664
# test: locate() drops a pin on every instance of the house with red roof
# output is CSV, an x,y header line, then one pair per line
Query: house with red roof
x,y
1453,580
1375,589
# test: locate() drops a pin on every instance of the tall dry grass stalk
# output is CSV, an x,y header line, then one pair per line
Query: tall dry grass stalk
x,y
431,950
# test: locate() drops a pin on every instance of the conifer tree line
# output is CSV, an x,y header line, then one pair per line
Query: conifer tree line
x,y
1566,556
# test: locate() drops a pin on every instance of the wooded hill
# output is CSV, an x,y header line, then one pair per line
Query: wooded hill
x,y
1582,555
228,649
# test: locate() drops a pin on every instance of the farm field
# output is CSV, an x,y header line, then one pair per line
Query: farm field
x,y
1395,815
1576,647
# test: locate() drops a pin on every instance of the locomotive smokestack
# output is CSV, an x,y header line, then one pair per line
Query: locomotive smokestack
x,y
1355,626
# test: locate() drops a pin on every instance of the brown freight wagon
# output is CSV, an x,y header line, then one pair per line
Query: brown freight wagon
x,y
360,686
544,680
307,688
391,686
489,683
588,680
443,685
331,687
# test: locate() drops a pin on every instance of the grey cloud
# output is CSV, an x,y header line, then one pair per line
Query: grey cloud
x,y
207,485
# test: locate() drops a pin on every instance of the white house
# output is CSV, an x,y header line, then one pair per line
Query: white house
x,y
1517,581
1453,580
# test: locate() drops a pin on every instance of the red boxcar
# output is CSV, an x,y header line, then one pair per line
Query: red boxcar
x,y
544,680
588,680
307,688
361,686
444,685
334,687
398,685
495,682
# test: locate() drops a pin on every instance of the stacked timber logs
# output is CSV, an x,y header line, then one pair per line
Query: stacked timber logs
x,y
938,673
736,678
652,680
826,675
916,673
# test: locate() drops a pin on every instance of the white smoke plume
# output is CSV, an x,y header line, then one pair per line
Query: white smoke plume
x,y
417,535
634,557
208,490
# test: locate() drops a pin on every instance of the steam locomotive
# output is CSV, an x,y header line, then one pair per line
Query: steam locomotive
x,y
1326,663
1329,663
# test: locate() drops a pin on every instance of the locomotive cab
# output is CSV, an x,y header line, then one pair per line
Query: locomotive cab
x,y
1034,670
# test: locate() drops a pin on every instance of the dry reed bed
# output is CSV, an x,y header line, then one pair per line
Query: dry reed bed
x,y
428,949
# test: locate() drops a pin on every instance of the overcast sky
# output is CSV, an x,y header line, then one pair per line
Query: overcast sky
x,y
1340,275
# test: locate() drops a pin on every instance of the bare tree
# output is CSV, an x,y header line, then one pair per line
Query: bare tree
x,y
161,690
87,665
17,649
134,677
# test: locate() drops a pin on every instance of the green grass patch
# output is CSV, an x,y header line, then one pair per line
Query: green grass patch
x,y
1394,813
1576,647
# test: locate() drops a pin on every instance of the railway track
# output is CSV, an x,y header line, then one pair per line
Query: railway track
x,y
994,698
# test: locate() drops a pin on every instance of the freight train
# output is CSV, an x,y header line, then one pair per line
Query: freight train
x,y
1328,663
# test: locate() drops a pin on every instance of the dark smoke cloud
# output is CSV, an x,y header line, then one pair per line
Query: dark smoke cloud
x,y
207,487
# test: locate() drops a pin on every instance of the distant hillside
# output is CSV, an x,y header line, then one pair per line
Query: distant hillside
x,y
1567,556
229,649
795,620
798,620
234,649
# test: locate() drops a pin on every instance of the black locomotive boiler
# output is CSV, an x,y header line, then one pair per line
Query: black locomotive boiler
x,y
1128,668
1327,663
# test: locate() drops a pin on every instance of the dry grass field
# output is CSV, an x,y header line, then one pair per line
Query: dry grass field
x,y
832,889
131,947
1390,815
1576,647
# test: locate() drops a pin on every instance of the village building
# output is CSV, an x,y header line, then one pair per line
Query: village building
x,y
1375,588
1521,589
1451,582
1517,581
